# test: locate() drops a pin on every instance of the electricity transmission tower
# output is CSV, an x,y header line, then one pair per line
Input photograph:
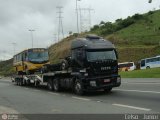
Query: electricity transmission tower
x,y
60,24
55,38
85,18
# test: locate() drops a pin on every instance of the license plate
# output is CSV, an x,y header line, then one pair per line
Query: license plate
x,y
106,80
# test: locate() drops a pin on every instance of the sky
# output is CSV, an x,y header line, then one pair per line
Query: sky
x,y
17,17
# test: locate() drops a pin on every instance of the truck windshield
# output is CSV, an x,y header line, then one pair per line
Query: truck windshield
x,y
101,55
38,56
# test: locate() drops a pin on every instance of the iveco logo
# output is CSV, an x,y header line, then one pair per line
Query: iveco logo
x,y
105,68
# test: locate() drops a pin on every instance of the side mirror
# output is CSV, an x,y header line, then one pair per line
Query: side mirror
x,y
116,54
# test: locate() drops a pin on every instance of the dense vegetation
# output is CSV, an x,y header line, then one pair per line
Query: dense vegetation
x,y
135,37
6,68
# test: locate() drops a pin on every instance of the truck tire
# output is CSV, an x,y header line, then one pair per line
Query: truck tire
x,y
50,85
108,89
56,85
78,87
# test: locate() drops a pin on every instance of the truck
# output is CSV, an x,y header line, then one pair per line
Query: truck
x,y
92,65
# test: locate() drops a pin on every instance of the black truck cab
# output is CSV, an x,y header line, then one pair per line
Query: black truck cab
x,y
95,59
95,54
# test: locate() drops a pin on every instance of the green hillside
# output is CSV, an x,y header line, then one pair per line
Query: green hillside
x,y
6,67
135,37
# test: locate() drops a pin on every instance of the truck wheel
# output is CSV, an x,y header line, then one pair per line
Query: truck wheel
x,y
78,88
108,89
56,85
50,85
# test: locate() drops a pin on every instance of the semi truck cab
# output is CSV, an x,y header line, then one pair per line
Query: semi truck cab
x,y
94,60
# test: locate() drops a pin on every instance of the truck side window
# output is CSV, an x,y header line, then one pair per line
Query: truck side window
x,y
80,54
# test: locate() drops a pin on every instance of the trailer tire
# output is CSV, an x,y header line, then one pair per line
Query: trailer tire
x,y
50,85
16,82
28,82
56,85
20,83
78,87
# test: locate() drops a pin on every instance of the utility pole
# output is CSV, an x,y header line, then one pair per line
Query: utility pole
x,y
90,21
31,30
60,24
77,16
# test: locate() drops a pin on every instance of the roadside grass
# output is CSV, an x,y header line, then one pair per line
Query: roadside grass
x,y
147,73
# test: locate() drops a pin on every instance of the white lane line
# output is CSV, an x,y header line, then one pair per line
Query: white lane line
x,y
132,107
140,83
53,93
79,98
155,92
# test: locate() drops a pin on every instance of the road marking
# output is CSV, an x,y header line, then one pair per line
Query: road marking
x,y
79,98
132,107
150,83
155,92
53,93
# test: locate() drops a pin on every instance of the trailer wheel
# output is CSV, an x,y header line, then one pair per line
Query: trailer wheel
x,y
20,83
78,88
108,90
50,85
16,81
56,85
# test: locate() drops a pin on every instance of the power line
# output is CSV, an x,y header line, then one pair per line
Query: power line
x,y
85,21
31,30
77,16
60,23
55,38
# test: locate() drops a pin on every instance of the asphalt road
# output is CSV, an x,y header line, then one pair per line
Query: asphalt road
x,y
134,96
